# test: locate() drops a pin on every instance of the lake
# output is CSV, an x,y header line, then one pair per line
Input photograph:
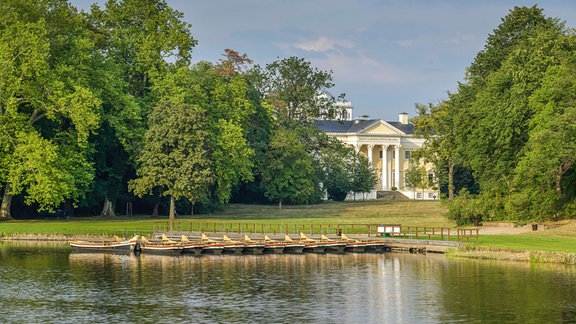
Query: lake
x,y
49,284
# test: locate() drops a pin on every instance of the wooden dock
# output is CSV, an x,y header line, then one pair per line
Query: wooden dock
x,y
238,244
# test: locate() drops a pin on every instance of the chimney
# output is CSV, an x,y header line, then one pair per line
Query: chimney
x,y
403,118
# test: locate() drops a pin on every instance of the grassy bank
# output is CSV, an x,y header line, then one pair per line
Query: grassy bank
x,y
409,213
556,245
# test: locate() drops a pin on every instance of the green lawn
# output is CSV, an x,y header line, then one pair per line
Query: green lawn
x,y
408,213
541,242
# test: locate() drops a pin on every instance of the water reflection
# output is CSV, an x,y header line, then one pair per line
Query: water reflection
x,y
386,288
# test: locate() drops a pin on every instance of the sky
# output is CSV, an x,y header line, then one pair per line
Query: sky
x,y
385,55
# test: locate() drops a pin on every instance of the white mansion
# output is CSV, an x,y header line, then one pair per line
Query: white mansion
x,y
387,145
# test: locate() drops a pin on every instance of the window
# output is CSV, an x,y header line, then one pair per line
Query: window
x,y
430,177
418,195
407,154
381,154
431,195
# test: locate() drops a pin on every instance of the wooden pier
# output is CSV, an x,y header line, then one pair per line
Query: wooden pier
x,y
238,244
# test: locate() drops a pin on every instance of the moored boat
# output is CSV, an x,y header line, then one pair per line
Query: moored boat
x,y
353,245
332,246
292,247
189,247
164,247
116,246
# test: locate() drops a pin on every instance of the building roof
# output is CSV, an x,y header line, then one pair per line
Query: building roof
x,y
358,125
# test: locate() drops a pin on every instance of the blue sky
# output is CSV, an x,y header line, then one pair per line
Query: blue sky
x,y
386,55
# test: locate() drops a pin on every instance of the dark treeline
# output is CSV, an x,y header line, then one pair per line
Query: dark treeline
x,y
505,141
103,108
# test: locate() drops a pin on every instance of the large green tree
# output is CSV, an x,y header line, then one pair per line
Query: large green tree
x,y
47,105
174,154
289,175
141,40
545,178
228,109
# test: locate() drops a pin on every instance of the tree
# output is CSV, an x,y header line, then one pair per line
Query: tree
x,y
292,87
227,110
141,40
174,154
363,176
545,175
289,174
492,113
336,163
233,64
415,177
145,38
47,105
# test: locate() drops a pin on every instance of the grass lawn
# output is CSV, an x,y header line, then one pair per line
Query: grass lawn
x,y
407,213
562,238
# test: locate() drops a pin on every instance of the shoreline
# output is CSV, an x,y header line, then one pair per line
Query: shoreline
x,y
468,252
497,254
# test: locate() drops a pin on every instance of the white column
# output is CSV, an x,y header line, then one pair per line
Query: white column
x,y
397,166
357,148
384,175
370,149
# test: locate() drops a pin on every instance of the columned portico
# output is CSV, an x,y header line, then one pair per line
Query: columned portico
x,y
384,175
397,167
370,149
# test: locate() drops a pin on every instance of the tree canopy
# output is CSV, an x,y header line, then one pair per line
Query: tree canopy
x,y
103,107
508,123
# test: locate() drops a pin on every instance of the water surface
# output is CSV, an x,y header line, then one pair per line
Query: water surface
x,y
49,284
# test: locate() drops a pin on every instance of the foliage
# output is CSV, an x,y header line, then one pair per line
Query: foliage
x,y
336,164
292,87
290,174
463,209
511,123
416,176
174,154
47,102
363,176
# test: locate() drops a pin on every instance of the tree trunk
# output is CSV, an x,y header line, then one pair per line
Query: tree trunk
x,y
6,203
171,214
172,205
451,180
280,204
156,208
108,209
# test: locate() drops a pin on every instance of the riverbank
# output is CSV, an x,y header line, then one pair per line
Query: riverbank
x,y
491,253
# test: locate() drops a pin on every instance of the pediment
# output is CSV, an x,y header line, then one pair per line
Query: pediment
x,y
382,128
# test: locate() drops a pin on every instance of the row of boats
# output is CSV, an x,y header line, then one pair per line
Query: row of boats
x,y
206,245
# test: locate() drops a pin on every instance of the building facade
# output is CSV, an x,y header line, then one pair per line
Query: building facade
x,y
388,147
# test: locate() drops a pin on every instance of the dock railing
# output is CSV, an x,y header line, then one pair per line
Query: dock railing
x,y
363,230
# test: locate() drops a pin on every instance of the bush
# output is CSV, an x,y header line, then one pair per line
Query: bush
x,y
463,209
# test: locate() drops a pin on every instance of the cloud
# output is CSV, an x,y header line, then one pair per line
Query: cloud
x,y
359,68
324,44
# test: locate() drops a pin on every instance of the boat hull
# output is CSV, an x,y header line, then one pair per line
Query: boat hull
x,y
104,247
161,249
